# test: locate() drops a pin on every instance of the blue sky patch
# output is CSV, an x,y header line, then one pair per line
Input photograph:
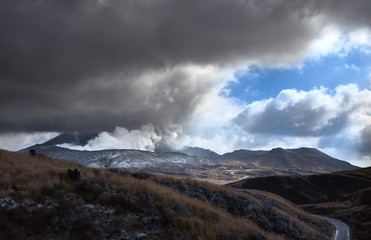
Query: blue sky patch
x,y
330,71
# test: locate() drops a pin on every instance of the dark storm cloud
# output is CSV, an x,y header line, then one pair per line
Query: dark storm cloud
x,y
300,119
74,65
348,14
68,40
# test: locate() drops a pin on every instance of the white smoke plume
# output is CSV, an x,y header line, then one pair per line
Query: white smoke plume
x,y
144,138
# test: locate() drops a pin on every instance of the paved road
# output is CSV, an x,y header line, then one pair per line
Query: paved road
x,y
342,230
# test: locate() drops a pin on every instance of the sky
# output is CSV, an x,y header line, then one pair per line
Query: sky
x,y
222,75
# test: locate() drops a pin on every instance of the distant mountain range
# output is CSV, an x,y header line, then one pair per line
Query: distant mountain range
x,y
301,158
198,162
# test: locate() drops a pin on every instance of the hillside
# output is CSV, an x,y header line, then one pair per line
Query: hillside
x,y
345,195
40,199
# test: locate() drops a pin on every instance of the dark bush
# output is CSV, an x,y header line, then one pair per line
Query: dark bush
x,y
8,227
83,228
32,152
96,172
73,175
365,197
141,175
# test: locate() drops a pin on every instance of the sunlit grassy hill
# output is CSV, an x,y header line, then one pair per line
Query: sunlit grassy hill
x,y
39,199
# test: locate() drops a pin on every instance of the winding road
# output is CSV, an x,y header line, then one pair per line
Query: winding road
x,y
342,230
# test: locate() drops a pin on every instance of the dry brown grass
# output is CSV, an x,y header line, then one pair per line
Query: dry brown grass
x,y
29,174
206,220
208,186
22,172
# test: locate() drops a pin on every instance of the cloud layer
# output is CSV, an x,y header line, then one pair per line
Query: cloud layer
x,y
315,113
93,65
80,65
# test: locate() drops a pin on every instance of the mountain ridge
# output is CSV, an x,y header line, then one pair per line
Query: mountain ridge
x,y
75,138
201,163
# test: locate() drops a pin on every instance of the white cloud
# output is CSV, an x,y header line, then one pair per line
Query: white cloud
x,y
333,40
352,67
327,42
312,113
18,141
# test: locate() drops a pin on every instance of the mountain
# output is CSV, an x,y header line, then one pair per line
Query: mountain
x,y
123,158
80,139
345,195
204,164
310,159
44,198
191,151
197,162
75,138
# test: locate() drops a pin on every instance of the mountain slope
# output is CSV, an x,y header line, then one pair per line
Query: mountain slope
x,y
345,195
71,138
40,199
123,158
301,159
199,152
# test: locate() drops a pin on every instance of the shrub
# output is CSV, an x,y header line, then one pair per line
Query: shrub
x,y
365,197
90,189
32,152
73,175
83,228
96,172
141,175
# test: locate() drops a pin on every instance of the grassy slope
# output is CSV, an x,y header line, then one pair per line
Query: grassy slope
x,y
345,195
38,200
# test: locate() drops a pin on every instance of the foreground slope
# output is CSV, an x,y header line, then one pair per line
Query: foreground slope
x,y
345,195
39,199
